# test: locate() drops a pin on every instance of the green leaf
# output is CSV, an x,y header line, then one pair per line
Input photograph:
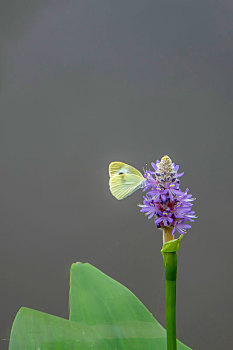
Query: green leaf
x,y
104,315
35,330
172,246
95,298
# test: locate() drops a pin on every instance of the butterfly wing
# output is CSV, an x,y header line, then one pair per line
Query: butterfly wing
x,y
115,168
124,180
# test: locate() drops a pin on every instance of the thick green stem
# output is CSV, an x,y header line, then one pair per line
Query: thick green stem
x,y
170,266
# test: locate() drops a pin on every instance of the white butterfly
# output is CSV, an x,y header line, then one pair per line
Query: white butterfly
x,y
124,180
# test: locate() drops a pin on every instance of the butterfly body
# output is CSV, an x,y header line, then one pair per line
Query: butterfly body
x,y
124,180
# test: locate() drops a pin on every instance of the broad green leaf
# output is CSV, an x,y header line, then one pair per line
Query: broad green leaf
x,y
35,330
104,316
97,299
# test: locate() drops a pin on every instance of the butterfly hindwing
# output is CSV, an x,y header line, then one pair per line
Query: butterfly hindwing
x,y
124,180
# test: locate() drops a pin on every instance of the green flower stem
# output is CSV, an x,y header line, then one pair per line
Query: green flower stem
x,y
170,266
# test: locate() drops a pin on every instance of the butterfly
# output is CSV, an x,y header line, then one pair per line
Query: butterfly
x,y
124,180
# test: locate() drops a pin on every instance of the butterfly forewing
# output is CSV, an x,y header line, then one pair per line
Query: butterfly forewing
x,y
117,167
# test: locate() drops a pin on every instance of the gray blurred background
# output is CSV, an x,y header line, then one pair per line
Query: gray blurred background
x,y
84,83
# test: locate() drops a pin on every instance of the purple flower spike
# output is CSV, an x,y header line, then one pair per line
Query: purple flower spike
x,y
164,200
